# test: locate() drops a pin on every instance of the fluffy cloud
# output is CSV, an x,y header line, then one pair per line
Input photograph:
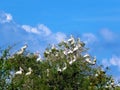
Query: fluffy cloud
x,y
30,29
36,37
113,61
89,38
107,34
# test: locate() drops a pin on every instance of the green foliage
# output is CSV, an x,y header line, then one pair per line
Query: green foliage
x,y
64,67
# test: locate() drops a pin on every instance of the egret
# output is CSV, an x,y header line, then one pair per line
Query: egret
x,y
86,56
58,69
53,47
39,57
71,39
75,49
30,71
20,71
72,60
70,52
48,72
22,49
64,68
65,52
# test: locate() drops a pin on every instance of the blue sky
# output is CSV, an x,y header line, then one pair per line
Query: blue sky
x,y
40,22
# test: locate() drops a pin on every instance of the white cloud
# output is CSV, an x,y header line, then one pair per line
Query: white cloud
x,y
40,29
105,62
44,29
113,61
37,37
107,34
89,38
30,29
5,17
60,36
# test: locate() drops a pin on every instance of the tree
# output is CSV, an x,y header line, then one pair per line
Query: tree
x,y
66,66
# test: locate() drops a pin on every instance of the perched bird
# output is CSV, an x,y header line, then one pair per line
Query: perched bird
x,y
89,61
20,71
48,72
22,49
58,69
53,47
86,56
38,57
70,52
75,49
65,52
64,68
72,60
71,39
30,71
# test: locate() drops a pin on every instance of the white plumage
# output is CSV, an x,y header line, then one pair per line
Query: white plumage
x,y
53,46
58,69
48,72
89,61
75,49
64,68
86,56
72,60
22,50
39,58
71,39
20,71
29,71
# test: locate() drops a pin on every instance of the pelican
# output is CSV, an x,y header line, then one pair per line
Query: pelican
x,y
30,71
20,71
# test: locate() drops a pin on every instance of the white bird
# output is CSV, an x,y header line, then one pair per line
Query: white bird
x,y
53,47
30,71
39,57
58,69
86,56
72,60
71,39
75,49
47,52
90,62
22,49
48,72
20,71
64,68
70,52
65,52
